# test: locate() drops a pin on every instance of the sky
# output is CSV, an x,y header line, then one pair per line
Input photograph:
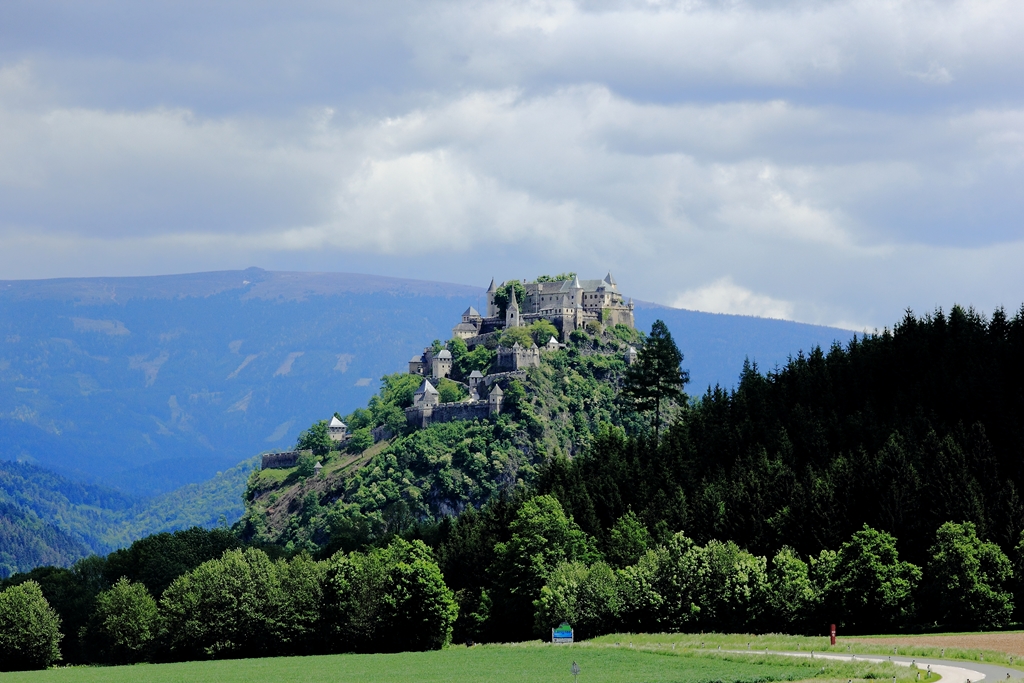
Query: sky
x,y
829,162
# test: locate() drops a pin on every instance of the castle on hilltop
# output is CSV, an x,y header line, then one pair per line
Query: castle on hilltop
x,y
567,304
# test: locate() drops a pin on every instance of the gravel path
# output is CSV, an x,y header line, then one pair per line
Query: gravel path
x,y
952,671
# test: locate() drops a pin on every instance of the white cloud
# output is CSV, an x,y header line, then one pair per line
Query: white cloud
x,y
725,296
805,145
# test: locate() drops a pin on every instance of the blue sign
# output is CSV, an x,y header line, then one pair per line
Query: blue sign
x,y
562,634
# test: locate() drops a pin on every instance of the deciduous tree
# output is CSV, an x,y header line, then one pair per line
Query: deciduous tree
x,y
969,578
29,629
125,623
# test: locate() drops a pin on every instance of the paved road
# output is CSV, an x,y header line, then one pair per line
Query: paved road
x,y
951,670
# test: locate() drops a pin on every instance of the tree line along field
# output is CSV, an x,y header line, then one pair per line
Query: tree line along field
x,y
601,661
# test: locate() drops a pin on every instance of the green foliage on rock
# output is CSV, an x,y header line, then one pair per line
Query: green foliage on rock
x,y
969,578
464,362
503,295
516,335
360,440
386,408
427,474
305,464
541,331
449,392
29,629
316,439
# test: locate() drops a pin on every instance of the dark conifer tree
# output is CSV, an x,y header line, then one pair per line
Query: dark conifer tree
x,y
656,377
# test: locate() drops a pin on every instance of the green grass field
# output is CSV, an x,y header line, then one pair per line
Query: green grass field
x,y
522,663
777,641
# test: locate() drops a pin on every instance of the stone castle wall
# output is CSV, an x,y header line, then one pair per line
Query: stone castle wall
x,y
422,415
446,412
277,461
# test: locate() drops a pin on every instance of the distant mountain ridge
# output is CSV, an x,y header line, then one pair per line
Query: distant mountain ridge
x,y
49,519
149,383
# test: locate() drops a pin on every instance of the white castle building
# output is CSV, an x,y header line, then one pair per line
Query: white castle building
x,y
567,304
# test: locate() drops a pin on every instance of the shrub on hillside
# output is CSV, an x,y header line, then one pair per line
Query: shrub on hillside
x,y
360,440
317,439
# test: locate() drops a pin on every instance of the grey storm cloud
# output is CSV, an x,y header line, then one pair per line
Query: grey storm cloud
x,y
831,162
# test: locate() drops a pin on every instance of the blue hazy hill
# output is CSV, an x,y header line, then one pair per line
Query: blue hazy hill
x,y
150,383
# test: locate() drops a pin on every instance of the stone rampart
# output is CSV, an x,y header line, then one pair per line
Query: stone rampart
x,y
467,410
490,379
277,461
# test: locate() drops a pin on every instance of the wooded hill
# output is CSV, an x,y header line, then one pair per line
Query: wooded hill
x,y
422,476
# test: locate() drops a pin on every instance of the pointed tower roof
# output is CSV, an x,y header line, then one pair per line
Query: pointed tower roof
x,y
512,303
336,423
496,391
471,312
492,288
426,388
576,282
609,279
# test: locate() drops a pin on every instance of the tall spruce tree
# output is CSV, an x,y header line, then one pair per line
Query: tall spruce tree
x,y
656,377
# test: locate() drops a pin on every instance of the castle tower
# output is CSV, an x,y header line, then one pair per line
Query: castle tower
x,y
426,395
577,291
512,310
494,400
492,310
442,364
337,429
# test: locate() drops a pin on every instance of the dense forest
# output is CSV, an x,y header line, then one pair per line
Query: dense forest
x,y
873,485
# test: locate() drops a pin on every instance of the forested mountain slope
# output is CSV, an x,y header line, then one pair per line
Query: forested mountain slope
x,y
46,519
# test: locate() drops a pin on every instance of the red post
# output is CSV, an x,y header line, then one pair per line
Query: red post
x,y
833,634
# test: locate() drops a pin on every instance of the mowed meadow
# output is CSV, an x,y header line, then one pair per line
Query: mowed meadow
x,y
651,660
